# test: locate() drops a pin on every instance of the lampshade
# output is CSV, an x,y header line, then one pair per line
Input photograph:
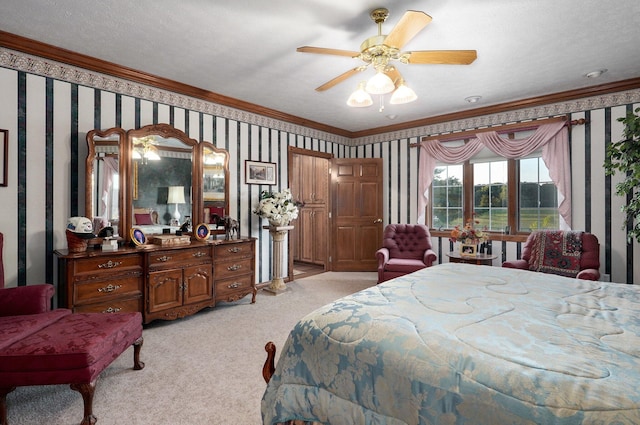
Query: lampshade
x,y
380,84
360,98
403,94
176,195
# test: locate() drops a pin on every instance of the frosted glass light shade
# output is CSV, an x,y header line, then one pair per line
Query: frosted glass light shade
x,y
360,98
380,84
403,94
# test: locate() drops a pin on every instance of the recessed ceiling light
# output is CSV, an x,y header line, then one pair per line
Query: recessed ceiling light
x,y
473,99
595,74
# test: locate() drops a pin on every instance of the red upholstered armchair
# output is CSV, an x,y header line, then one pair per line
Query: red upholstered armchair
x,y
21,300
573,254
405,249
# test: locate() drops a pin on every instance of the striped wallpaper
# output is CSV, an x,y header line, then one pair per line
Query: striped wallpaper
x,y
48,119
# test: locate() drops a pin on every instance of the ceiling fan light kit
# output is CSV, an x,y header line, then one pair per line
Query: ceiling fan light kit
x,y
380,83
403,94
378,51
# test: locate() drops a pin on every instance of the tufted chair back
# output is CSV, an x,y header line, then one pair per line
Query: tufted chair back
x,y
406,240
405,249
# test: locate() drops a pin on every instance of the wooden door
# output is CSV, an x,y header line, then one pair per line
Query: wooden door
x,y
356,190
309,183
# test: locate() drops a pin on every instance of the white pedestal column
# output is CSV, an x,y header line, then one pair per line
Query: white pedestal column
x,y
278,233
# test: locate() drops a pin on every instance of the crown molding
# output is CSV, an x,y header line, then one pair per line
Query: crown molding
x,y
41,59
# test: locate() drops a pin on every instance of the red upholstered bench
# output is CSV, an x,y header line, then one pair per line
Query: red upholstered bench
x,y
58,347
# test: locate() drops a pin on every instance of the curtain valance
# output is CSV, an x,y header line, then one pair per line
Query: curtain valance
x,y
552,138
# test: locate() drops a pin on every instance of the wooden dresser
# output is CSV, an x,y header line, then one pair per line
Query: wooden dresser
x,y
160,282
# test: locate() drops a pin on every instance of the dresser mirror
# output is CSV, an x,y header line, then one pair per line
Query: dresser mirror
x,y
105,189
161,180
155,178
215,186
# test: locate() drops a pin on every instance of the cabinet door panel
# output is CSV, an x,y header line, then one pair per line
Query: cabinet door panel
x,y
165,290
305,218
320,232
198,282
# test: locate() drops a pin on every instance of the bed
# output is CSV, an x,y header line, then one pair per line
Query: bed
x,y
147,220
465,344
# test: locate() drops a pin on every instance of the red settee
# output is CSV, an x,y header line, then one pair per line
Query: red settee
x,y
40,346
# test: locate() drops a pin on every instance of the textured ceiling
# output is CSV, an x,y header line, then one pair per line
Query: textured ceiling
x,y
246,49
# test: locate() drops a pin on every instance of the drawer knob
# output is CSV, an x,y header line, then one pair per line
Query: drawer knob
x,y
112,310
234,267
234,285
199,254
234,250
109,264
164,258
109,288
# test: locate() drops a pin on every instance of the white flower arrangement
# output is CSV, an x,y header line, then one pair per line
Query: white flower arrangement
x,y
277,207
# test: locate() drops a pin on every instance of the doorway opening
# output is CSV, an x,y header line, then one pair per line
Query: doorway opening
x,y
302,269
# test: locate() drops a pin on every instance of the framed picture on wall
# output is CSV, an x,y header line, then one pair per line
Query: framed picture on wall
x,y
259,172
4,154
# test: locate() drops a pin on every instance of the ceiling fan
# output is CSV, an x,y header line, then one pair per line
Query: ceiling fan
x,y
381,50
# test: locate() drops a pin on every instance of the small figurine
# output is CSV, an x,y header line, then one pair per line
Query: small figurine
x,y
231,226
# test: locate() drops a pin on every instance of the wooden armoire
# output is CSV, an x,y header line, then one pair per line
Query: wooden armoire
x,y
309,183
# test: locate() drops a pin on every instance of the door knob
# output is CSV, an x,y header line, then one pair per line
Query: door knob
x,y
378,220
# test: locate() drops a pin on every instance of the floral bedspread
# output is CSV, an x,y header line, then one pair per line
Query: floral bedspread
x,y
465,344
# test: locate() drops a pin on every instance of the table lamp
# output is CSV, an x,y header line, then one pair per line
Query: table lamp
x,y
176,196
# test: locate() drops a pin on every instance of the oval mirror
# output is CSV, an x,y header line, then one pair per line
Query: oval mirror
x,y
162,168
215,186
104,193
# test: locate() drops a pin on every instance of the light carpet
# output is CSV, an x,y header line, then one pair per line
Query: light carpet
x,y
203,369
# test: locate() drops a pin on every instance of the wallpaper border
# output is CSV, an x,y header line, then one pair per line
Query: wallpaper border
x,y
47,68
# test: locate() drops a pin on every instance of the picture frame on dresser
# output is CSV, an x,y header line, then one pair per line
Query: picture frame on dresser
x,y
257,172
137,236
202,232
4,154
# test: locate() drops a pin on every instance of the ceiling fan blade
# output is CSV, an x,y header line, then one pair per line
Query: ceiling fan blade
x,y
325,51
453,57
394,74
340,78
411,23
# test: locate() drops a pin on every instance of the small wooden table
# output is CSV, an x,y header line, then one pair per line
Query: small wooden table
x,y
479,259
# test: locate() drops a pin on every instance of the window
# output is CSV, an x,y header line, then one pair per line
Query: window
x,y
491,194
447,194
538,197
505,194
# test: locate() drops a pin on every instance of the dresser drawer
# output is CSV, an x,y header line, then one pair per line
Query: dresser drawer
x,y
235,250
179,256
107,289
233,288
126,305
106,265
224,269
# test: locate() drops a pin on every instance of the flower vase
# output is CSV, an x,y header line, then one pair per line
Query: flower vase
x,y
278,223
